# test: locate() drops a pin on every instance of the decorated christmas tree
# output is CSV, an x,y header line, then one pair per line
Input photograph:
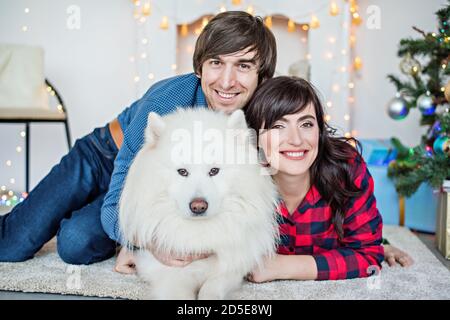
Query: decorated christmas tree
x,y
426,86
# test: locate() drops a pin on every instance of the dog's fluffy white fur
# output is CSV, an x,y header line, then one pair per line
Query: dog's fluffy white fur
x,y
239,227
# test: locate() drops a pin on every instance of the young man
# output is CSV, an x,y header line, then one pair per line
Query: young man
x,y
234,53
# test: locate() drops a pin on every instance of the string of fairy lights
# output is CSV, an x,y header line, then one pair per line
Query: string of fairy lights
x,y
142,12
8,196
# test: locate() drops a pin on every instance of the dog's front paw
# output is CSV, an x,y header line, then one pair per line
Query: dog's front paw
x,y
210,292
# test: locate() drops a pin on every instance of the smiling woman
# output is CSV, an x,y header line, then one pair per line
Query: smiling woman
x,y
329,224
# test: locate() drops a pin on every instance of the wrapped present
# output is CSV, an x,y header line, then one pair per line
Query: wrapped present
x,y
443,223
377,154
417,212
421,209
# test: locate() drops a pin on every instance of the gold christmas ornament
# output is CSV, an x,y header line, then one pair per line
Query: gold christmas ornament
x,y
410,66
447,91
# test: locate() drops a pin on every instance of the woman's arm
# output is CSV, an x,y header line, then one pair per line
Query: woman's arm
x,y
360,252
286,267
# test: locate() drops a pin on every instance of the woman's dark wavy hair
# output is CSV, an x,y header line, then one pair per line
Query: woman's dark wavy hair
x,y
331,171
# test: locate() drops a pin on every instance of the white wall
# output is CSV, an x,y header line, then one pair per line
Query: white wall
x,y
378,50
91,69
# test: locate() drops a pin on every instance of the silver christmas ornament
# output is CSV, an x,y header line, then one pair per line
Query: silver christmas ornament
x,y
397,109
425,104
442,108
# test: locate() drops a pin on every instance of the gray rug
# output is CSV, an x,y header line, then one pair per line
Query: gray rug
x,y
426,279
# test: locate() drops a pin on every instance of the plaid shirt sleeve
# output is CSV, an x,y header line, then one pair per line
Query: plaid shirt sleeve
x,y
361,252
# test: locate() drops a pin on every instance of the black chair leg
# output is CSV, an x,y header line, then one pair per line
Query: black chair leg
x,y
27,157
69,140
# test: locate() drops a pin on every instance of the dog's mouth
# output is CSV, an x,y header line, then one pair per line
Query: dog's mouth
x,y
197,216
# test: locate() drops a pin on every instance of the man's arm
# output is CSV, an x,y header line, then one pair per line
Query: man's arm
x,y
133,140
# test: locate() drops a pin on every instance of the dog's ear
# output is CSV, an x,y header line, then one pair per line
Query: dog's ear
x,y
155,126
237,120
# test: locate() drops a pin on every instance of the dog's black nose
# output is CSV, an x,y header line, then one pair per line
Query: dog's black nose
x,y
198,205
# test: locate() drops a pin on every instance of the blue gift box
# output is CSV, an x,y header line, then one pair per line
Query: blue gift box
x,y
420,208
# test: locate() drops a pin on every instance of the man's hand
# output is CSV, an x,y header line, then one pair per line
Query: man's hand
x,y
177,261
125,262
393,255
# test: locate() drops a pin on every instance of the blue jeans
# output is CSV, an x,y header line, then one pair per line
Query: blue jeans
x,y
66,203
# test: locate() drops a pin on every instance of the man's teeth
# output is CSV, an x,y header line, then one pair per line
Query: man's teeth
x,y
295,154
226,95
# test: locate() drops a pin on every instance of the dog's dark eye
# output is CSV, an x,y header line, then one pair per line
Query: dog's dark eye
x,y
213,171
183,172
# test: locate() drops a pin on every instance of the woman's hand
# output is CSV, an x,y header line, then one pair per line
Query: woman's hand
x,y
125,262
393,255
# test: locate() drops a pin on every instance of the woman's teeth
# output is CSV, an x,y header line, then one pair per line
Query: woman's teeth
x,y
295,154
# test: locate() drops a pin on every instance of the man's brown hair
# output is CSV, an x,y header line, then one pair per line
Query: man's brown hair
x,y
233,31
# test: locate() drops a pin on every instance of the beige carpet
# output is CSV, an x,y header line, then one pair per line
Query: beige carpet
x,y
426,279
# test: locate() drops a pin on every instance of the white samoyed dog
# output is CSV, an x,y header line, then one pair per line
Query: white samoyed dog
x,y
196,188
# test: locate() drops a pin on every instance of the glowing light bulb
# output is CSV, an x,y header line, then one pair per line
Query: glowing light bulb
x,y
205,22
146,11
334,10
268,22
357,63
164,25
315,23
291,26
184,30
